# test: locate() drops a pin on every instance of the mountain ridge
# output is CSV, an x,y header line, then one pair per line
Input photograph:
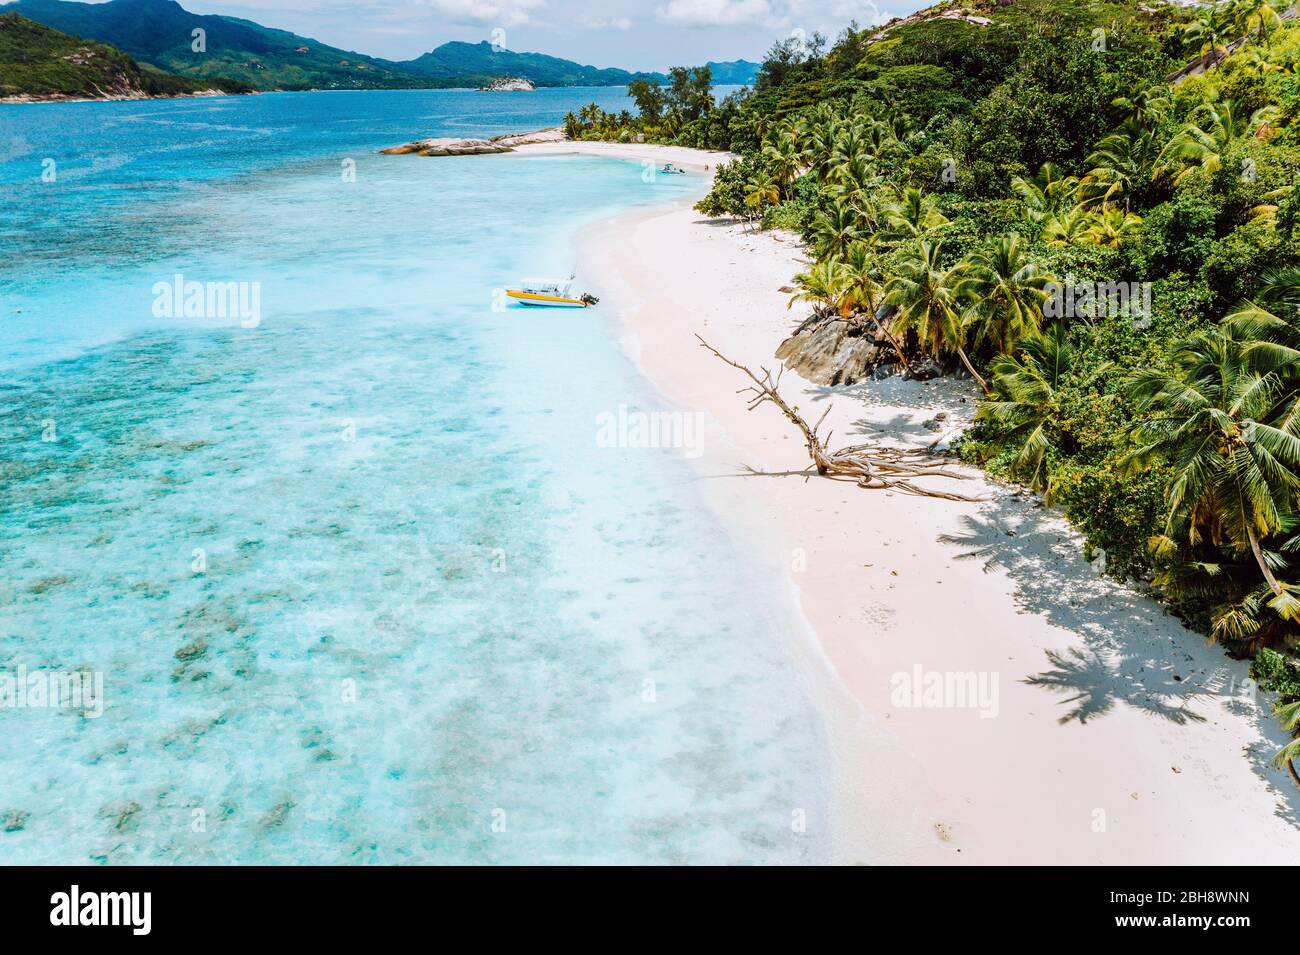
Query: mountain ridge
x,y
161,33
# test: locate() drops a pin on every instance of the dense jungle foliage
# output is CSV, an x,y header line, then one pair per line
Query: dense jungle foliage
x,y
1038,193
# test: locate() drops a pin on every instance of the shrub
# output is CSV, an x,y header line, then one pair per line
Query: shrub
x,y
727,197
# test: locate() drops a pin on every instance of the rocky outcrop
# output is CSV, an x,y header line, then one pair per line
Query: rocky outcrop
x,y
554,134
938,12
475,147
829,350
508,84
447,147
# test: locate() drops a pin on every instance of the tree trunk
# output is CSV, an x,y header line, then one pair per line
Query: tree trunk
x,y
897,346
1273,585
868,467
1294,775
961,353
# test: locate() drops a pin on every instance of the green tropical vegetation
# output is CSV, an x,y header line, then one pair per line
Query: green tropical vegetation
x,y
664,111
1046,196
161,33
39,62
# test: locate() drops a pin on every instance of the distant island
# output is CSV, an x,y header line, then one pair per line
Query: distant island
x,y
509,84
160,34
38,64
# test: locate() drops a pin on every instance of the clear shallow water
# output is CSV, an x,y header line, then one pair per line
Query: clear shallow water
x,y
437,622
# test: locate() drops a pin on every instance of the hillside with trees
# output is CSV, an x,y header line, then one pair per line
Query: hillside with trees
x,y
162,33
41,63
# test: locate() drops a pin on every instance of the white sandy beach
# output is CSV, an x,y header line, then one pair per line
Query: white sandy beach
x,y
698,160
1118,736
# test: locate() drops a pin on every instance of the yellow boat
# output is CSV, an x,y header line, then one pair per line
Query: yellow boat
x,y
553,293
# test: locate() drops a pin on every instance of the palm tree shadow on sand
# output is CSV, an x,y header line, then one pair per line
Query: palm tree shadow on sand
x,y
1131,651
1092,683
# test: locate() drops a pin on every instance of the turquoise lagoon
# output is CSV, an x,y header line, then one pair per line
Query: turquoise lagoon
x,y
360,582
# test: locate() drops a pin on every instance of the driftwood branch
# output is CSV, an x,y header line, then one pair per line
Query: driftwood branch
x,y
867,466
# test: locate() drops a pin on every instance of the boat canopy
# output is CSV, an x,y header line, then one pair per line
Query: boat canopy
x,y
557,287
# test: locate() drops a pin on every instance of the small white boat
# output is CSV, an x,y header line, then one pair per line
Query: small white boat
x,y
553,293
671,170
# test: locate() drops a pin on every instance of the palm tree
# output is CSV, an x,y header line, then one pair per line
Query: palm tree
x,y
878,140
1025,405
1069,227
1256,18
863,276
1210,27
1047,193
926,297
913,214
847,143
864,288
1112,227
1257,61
1146,108
1120,163
673,122
899,124
1289,714
784,161
1202,141
817,131
788,129
855,183
835,229
760,194
1269,321
1234,473
1005,292
824,284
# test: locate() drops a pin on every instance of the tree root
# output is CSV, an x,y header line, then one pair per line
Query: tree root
x,y
867,466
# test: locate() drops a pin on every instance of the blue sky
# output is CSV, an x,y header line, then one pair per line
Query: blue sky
x,y
635,34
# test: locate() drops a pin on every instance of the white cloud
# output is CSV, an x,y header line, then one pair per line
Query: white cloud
x,y
500,13
605,23
714,12
864,11
830,16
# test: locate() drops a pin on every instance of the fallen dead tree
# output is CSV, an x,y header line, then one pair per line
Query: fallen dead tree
x,y
867,466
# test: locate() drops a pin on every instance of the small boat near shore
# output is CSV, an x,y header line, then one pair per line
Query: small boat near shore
x,y
552,293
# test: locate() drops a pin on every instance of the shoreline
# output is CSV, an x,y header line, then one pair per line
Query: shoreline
x,y
27,99
1118,736
695,160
